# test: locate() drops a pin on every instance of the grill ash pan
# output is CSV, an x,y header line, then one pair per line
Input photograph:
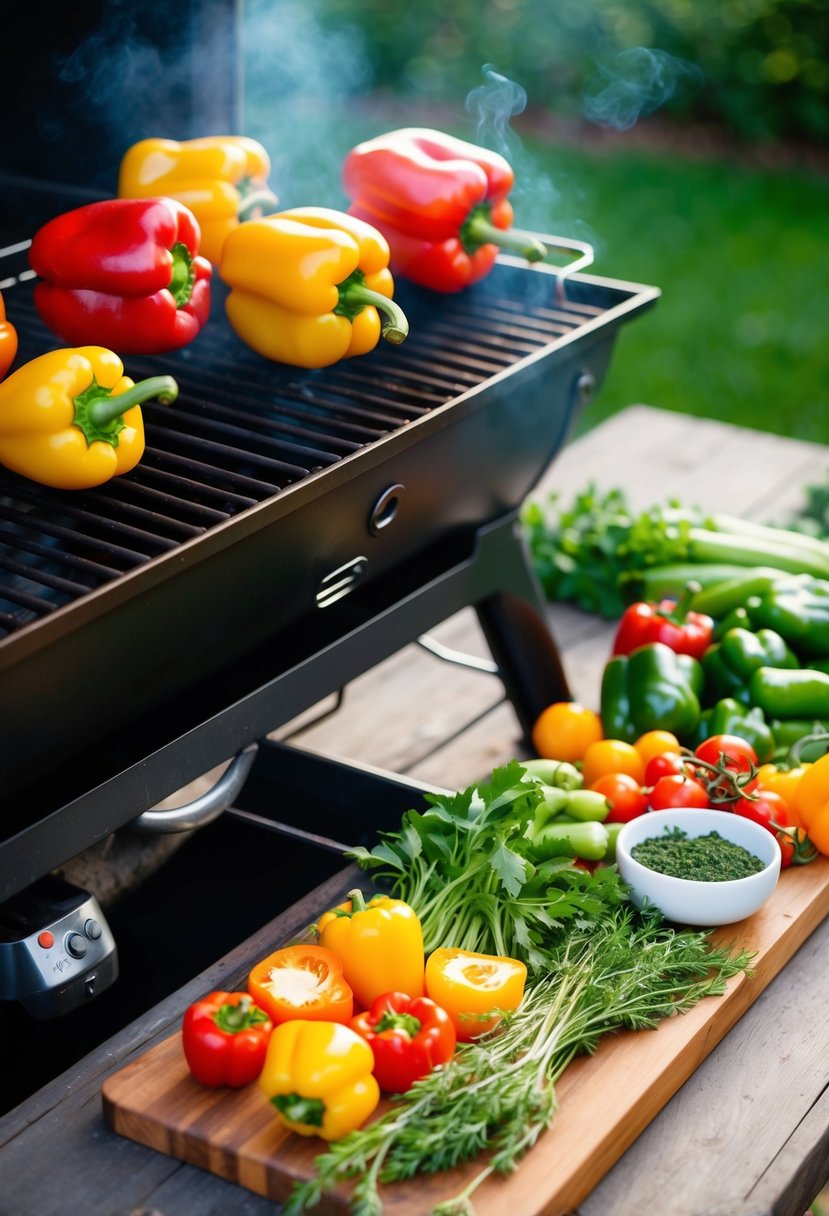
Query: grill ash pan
x,y
271,501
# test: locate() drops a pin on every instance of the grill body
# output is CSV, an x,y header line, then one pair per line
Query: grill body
x,y
276,513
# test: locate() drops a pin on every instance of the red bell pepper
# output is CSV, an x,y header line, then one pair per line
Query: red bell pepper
x,y
409,1037
669,622
225,1039
123,273
8,341
441,204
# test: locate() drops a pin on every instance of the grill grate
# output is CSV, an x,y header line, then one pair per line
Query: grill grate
x,y
243,430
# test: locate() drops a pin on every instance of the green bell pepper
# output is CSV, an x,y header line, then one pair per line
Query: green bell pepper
x,y
803,693
729,664
789,731
731,717
797,607
652,688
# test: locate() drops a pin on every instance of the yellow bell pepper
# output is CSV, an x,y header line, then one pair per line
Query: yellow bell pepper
x,y
380,944
71,419
306,286
474,989
223,179
318,1078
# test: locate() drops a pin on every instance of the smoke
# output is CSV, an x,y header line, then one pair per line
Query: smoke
x,y
639,83
491,106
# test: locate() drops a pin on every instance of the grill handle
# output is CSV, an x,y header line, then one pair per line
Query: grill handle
x,y
209,806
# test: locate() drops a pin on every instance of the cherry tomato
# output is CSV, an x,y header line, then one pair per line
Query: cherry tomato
x,y
664,765
729,750
565,730
608,756
783,782
677,790
654,743
626,797
769,809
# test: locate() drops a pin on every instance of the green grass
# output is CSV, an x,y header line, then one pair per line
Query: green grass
x,y
742,258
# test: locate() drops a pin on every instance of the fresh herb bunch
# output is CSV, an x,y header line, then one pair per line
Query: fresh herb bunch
x,y
625,970
600,555
471,873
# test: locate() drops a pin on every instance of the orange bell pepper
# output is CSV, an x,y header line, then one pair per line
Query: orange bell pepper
x,y
302,981
380,944
8,341
810,801
474,989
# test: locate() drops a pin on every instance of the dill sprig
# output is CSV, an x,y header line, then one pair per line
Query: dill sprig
x,y
497,1095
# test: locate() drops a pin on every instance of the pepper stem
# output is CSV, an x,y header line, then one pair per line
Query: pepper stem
x,y
355,296
358,903
253,205
479,230
681,608
100,415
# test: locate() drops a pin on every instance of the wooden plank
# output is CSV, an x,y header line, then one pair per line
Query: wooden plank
x,y
605,1100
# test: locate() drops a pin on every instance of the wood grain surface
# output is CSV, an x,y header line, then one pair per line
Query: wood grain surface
x,y
605,1100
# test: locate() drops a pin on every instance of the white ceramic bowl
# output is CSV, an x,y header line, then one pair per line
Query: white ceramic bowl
x,y
690,901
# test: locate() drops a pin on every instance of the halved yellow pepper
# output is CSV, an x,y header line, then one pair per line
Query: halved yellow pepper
x,y
474,989
306,286
318,1078
221,178
380,945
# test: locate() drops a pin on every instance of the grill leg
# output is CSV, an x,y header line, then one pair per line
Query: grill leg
x,y
512,617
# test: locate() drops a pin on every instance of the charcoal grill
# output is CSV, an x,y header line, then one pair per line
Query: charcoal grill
x,y
284,532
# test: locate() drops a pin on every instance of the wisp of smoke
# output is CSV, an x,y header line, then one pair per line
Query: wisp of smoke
x,y
640,82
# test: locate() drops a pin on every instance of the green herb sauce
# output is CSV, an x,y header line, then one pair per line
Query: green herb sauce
x,y
709,858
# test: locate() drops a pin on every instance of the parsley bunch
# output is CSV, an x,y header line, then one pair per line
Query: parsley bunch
x,y
468,869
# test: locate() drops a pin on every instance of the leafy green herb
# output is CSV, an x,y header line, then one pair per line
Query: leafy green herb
x,y
600,555
476,878
498,1093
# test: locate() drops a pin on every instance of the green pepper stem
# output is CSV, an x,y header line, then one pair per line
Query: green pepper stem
x,y
478,230
358,903
355,296
255,203
103,410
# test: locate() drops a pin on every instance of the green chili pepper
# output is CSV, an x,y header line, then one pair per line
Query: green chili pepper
x,y
796,607
780,693
729,664
731,717
585,840
585,805
721,598
653,688
557,773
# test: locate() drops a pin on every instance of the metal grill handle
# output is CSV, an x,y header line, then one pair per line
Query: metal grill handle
x,y
209,806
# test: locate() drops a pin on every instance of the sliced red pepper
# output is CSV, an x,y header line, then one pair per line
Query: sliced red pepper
x,y
225,1039
669,622
409,1036
123,273
440,202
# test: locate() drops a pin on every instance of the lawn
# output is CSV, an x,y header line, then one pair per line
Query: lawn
x,y
741,255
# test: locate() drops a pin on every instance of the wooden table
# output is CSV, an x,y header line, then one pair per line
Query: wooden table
x,y
747,1135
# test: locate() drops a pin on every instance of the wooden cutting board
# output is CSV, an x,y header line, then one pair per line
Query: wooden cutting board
x,y
605,1100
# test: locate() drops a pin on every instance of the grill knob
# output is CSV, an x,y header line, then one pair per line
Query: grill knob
x,y
76,945
385,509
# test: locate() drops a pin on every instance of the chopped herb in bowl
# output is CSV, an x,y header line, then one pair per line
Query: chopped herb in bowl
x,y
709,858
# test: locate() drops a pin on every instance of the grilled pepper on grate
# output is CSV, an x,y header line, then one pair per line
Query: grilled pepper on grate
x,y
653,688
223,179
123,273
72,420
441,204
307,284
318,1078
8,341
